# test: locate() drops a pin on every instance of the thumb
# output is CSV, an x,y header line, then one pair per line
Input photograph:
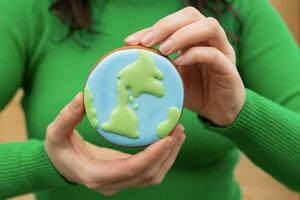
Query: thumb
x,y
67,120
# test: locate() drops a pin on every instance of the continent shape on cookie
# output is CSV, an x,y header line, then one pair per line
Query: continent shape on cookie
x,y
134,97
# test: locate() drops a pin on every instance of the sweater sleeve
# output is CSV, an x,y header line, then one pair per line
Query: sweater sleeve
x,y
268,127
24,166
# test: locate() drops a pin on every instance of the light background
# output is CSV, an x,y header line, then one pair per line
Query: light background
x,y
256,185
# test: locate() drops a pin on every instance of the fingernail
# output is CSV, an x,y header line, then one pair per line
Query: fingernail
x,y
181,128
76,102
130,39
179,60
175,135
148,39
166,46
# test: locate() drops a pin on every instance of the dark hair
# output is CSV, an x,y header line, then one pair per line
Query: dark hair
x,y
77,13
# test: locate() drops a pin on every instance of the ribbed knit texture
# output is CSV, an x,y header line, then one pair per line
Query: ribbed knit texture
x,y
19,175
276,150
51,69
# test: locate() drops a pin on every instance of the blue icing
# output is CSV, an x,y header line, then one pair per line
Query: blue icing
x,y
152,110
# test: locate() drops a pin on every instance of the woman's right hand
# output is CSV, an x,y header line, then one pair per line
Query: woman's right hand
x,y
105,170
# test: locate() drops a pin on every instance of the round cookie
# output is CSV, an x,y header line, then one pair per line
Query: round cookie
x,y
134,96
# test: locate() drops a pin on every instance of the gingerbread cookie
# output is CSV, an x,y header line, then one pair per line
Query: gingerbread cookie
x,y
134,96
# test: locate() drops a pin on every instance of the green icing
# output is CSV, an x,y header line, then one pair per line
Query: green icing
x,y
118,125
165,127
141,76
131,99
135,106
90,110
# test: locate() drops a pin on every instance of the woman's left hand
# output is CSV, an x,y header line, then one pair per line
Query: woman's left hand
x,y
213,86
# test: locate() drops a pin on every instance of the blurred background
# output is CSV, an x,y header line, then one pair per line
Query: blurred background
x,y
255,184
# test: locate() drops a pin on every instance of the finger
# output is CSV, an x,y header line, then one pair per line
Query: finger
x,y
137,179
151,171
105,153
134,39
125,169
151,155
175,134
64,124
218,62
207,31
180,137
131,168
80,146
169,24
167,164
107,192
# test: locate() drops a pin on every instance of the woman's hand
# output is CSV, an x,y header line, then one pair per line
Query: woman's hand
x,y
105,170
213,87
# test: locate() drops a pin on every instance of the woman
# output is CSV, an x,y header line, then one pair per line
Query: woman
x,y
242,89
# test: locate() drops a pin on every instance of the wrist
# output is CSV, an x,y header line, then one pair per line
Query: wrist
x,y
239,121
225,117
224,122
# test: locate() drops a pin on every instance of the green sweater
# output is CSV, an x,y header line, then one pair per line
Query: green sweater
x,y
34,56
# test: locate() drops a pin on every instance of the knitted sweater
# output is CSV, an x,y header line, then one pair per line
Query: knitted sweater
x,y
36,56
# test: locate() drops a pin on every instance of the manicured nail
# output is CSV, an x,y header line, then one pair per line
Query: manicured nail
x,y
181,128
166,46
131,39
148,39
177,135
179,60
76,102
173,134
